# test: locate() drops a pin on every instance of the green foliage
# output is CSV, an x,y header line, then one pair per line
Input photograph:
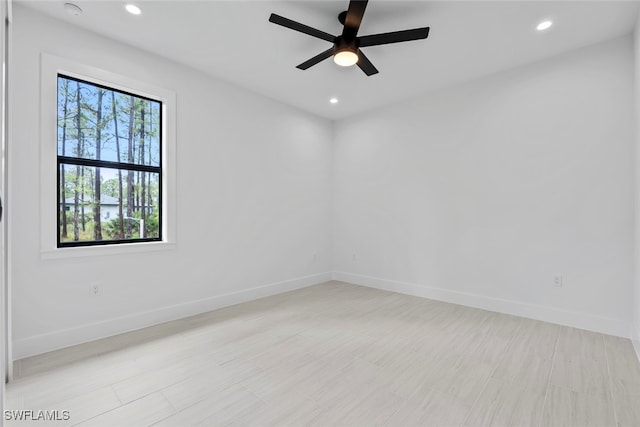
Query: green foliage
x,y
110,187
86,234
112,228
151,225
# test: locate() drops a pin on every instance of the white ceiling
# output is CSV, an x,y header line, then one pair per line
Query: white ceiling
x,y
234,41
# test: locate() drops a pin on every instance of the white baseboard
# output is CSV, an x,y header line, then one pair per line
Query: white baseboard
x,y
39,344
589,322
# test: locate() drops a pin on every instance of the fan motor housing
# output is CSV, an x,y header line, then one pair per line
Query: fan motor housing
x,y
342,44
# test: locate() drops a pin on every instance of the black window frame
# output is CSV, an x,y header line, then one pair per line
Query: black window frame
x,y
78,161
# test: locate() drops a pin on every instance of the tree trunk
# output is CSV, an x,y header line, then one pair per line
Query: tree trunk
x,y
82,187
115,125
149,192
76,193
149,195
97,219
143,195
63,184
130,159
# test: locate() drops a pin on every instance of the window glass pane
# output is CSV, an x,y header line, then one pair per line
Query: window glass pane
x,y
125,204
105,124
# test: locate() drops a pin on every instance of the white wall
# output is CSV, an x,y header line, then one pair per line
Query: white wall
x,y
480,194
254,173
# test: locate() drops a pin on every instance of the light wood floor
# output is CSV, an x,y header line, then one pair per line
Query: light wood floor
x,y
339,355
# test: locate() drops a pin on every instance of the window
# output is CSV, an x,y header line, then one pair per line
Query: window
x,y
109,157
125,80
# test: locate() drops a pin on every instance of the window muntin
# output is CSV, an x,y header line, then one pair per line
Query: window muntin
x,y
109,148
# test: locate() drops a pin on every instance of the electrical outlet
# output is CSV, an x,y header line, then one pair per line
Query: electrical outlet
x,y
95,289
315,257
557,281
353,257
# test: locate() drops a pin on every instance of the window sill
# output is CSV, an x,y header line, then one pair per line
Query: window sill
x,y
106,250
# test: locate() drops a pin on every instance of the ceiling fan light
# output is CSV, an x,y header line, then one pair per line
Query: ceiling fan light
x,y
345,58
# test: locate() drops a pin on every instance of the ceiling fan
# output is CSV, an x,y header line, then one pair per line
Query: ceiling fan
x,y
346,47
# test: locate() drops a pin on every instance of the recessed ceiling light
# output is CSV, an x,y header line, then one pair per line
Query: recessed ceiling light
x,y
544,25
73,9
333,100
133,9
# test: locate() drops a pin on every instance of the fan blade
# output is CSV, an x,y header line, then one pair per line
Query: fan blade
x,y
353,19
394,37
296,26
366,65
316,59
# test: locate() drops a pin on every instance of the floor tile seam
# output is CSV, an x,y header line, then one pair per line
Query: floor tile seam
x,y
89,389
610,377
490,377
149,393
546,393
176,411
476,400
504,354
59,405
256,395
164,386
122,405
